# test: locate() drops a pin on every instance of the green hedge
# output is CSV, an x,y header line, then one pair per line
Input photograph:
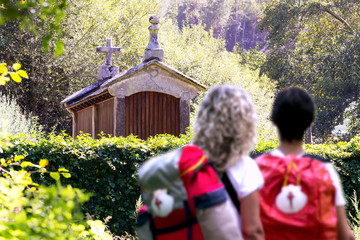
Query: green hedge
x,y
107,167
346,158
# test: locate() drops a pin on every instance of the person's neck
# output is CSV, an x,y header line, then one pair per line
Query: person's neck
x,y
295,147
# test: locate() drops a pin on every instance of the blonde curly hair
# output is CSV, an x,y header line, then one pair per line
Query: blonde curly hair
x,y
225,126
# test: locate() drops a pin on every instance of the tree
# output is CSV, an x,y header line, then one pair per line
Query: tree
x,y
232,20
196,53
26,12
32,211
87,25
315,44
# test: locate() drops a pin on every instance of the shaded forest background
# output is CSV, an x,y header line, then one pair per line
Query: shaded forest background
x,y
261,45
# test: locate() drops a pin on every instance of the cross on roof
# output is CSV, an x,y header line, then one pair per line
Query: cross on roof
x,y
108,50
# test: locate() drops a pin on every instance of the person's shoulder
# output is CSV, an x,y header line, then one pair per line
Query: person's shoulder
x,y
249,162
246,163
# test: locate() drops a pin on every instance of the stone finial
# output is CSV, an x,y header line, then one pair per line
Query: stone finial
x,y
107,71
153,49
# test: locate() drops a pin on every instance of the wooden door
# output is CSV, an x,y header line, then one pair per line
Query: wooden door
x,y
84,121
105,117
151,113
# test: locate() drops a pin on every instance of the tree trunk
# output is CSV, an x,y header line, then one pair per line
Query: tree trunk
x,y
243,33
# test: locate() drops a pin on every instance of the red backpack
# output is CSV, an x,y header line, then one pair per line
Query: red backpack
x,y
184,199
298,198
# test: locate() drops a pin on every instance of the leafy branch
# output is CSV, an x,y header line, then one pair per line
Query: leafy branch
x,y
337,17
15,75
18,161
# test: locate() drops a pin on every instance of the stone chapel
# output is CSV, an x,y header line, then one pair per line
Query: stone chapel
x,y
148,99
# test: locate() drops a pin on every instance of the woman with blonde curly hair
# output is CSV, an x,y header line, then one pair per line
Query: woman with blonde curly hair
x,y
225,131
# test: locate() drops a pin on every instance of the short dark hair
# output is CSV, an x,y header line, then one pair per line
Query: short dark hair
x,y
293,112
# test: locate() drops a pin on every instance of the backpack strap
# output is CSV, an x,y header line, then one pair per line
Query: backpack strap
x,y
316,157
228,186
312,156
190,221
231,191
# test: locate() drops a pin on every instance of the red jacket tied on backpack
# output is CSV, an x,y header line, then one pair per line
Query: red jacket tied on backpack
x,y
185,200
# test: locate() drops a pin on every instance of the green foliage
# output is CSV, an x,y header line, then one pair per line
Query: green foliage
x,y
252,58
263,147
30,211
106,168
315,44
232,20
355,218
206,60
14,121
345,157
50,212
89,23
28,12
15,75
86,26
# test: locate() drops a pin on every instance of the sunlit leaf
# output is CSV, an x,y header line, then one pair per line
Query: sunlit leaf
x,y
43,163
3,68
16,66
45,42
26,164
59,48
23,74
63,170
6,79
15,77
3,162
18,158
66,175
55,175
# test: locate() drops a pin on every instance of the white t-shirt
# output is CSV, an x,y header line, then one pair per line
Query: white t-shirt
x,y
245,177
339,197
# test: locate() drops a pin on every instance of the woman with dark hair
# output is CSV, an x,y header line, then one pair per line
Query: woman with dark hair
x,y
302,197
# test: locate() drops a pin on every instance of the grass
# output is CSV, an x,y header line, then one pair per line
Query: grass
x,y
356,219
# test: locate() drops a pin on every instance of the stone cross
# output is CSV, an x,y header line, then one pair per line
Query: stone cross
x,y
108,50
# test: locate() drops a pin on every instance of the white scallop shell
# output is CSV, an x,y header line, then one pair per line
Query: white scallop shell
x,y
162,203
291,199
